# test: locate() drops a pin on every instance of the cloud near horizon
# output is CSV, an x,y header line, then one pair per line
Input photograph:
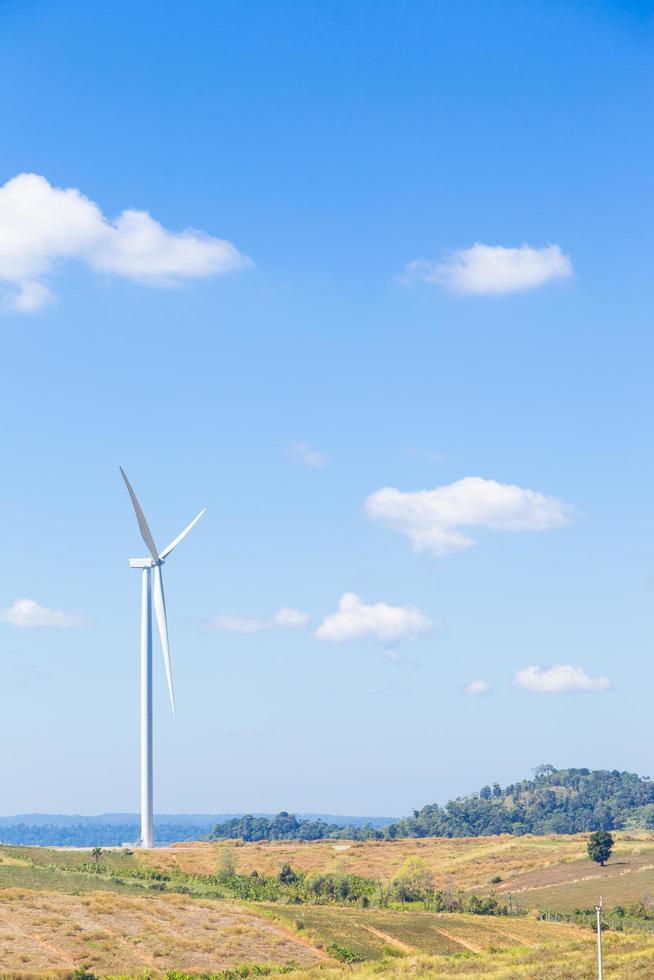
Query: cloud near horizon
x,y
308,456
491,269
354,620
475,688
283,618
28,614
560,679
431,519
42,225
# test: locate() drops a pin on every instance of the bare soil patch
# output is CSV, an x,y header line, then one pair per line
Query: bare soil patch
x,y
119,934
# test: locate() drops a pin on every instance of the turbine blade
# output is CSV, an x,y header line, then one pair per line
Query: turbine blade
x,y
160,614
146,533
180,537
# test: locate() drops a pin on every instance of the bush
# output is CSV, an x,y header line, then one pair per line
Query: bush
x,y
343,954
286,875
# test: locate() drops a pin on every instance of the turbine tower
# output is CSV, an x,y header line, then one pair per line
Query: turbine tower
x,y
151,567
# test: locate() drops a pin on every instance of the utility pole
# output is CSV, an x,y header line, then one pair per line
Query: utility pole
x,y
598,910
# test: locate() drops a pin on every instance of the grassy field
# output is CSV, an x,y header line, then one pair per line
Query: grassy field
x,y
471,862
55,917
551,873
51,934
376,934
625,958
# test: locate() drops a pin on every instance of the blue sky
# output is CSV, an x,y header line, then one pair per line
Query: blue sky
x,y
332,144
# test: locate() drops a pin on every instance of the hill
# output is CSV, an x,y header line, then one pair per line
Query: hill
x,y
555,801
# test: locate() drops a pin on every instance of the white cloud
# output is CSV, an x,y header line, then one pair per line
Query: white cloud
x,y
285,617
389,624
431,518
27,613
310,457
290,617
478,687
558,680
492,269
42,225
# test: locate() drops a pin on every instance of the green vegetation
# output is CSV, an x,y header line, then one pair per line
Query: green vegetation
x,y
286,826
65,872
559,801
403,916
556,801
600,846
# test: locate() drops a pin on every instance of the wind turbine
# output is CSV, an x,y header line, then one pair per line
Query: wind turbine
x,y
151,567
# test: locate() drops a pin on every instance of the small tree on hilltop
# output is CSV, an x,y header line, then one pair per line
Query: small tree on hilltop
x,y
600,846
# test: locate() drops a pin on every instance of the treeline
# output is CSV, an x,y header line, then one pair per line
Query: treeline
x,y
555,801
286,826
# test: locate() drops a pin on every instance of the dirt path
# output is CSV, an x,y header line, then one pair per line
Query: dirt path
x,y
462,942
516,939
391,940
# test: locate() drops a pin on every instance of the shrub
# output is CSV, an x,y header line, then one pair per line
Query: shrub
x,y
343,954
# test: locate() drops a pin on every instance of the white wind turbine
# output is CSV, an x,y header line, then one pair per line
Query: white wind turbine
x,y
149,566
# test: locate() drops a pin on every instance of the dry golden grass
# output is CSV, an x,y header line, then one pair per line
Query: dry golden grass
x,y
470,860
525,864
119,934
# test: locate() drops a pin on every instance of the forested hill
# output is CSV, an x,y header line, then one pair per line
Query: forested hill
x,y
555,801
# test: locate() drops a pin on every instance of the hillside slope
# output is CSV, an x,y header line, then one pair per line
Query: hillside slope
x,y
555,801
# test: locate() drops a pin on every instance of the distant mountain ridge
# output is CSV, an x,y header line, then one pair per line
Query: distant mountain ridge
x,y
115,829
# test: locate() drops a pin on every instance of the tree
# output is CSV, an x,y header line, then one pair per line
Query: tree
x,y
600,846
414,881
96,854
286,875
545,769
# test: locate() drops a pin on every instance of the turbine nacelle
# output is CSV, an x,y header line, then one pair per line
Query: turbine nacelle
x,y
154,563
